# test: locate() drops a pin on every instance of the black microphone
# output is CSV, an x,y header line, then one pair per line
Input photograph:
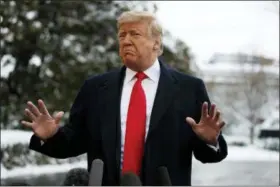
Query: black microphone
x,y
18,183
130,179
96,173
163,177
76,177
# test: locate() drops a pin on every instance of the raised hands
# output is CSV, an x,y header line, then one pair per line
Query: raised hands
x,y
42,123
209,126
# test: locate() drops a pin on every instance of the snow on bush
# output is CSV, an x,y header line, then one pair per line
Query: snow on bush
x,y
16,153
12,137
269,143
20,155
32,170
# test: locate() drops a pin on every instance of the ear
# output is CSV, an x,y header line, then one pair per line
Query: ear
x,y
156,45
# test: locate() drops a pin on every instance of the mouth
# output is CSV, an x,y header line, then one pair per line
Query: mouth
x,y
129,53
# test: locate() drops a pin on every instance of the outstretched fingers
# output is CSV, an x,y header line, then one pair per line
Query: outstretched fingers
x,y
204,110
29,114
212,111
221,124
191,122
27,124
42,107
217,116
32,108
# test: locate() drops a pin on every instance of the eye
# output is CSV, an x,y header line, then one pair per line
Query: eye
x,y
121,35
134,33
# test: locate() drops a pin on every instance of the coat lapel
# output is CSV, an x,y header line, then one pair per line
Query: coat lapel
x,y
109,94
165,94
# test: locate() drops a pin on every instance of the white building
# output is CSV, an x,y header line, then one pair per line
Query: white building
x,y
242,86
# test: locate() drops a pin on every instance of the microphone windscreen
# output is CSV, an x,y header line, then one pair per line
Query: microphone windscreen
x,y
96,173
130,179
163,176
76,177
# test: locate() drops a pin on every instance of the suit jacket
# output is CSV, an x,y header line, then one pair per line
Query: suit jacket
x,y
94,128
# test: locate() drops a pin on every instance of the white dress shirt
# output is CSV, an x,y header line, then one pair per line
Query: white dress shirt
x,y
149,85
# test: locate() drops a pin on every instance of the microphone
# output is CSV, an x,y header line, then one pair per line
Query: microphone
x,y
163,176
96,173
76,177
130,179
19,183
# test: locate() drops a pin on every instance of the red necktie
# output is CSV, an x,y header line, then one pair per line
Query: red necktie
x,y
135,128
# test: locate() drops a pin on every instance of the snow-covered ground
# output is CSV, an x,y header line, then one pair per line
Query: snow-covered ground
x,y
235,153
11,137
251,153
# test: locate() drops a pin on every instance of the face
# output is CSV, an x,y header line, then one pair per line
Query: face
x,y
136,46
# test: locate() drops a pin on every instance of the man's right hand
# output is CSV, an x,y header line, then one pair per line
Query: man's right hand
x,y
43,124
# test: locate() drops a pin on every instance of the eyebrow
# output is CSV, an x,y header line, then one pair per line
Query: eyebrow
x,y
132,30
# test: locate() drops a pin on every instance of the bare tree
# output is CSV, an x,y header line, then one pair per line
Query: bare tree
x,y
252,93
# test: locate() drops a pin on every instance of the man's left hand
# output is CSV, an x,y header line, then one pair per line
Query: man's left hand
x,y
209,126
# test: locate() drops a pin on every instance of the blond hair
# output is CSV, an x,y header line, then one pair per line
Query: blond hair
x,y
155,28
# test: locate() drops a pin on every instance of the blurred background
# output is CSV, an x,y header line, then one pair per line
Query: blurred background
x,y
49,47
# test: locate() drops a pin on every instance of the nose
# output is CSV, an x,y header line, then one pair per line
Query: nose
x,y
127,39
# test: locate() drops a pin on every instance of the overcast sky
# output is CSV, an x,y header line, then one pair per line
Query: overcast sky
x,y
223,26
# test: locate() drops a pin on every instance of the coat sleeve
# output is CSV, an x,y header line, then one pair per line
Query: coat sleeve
x,y
71,139
202,151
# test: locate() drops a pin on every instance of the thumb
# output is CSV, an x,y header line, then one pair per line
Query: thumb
x,y
58,117
191,122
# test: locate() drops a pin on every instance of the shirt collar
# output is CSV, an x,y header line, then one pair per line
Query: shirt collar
x,y
152,72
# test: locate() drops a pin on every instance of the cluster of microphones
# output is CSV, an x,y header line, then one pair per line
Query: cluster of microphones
x,y
81,177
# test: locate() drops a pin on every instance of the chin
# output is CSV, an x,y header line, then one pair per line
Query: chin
x,y
131,63
129,60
